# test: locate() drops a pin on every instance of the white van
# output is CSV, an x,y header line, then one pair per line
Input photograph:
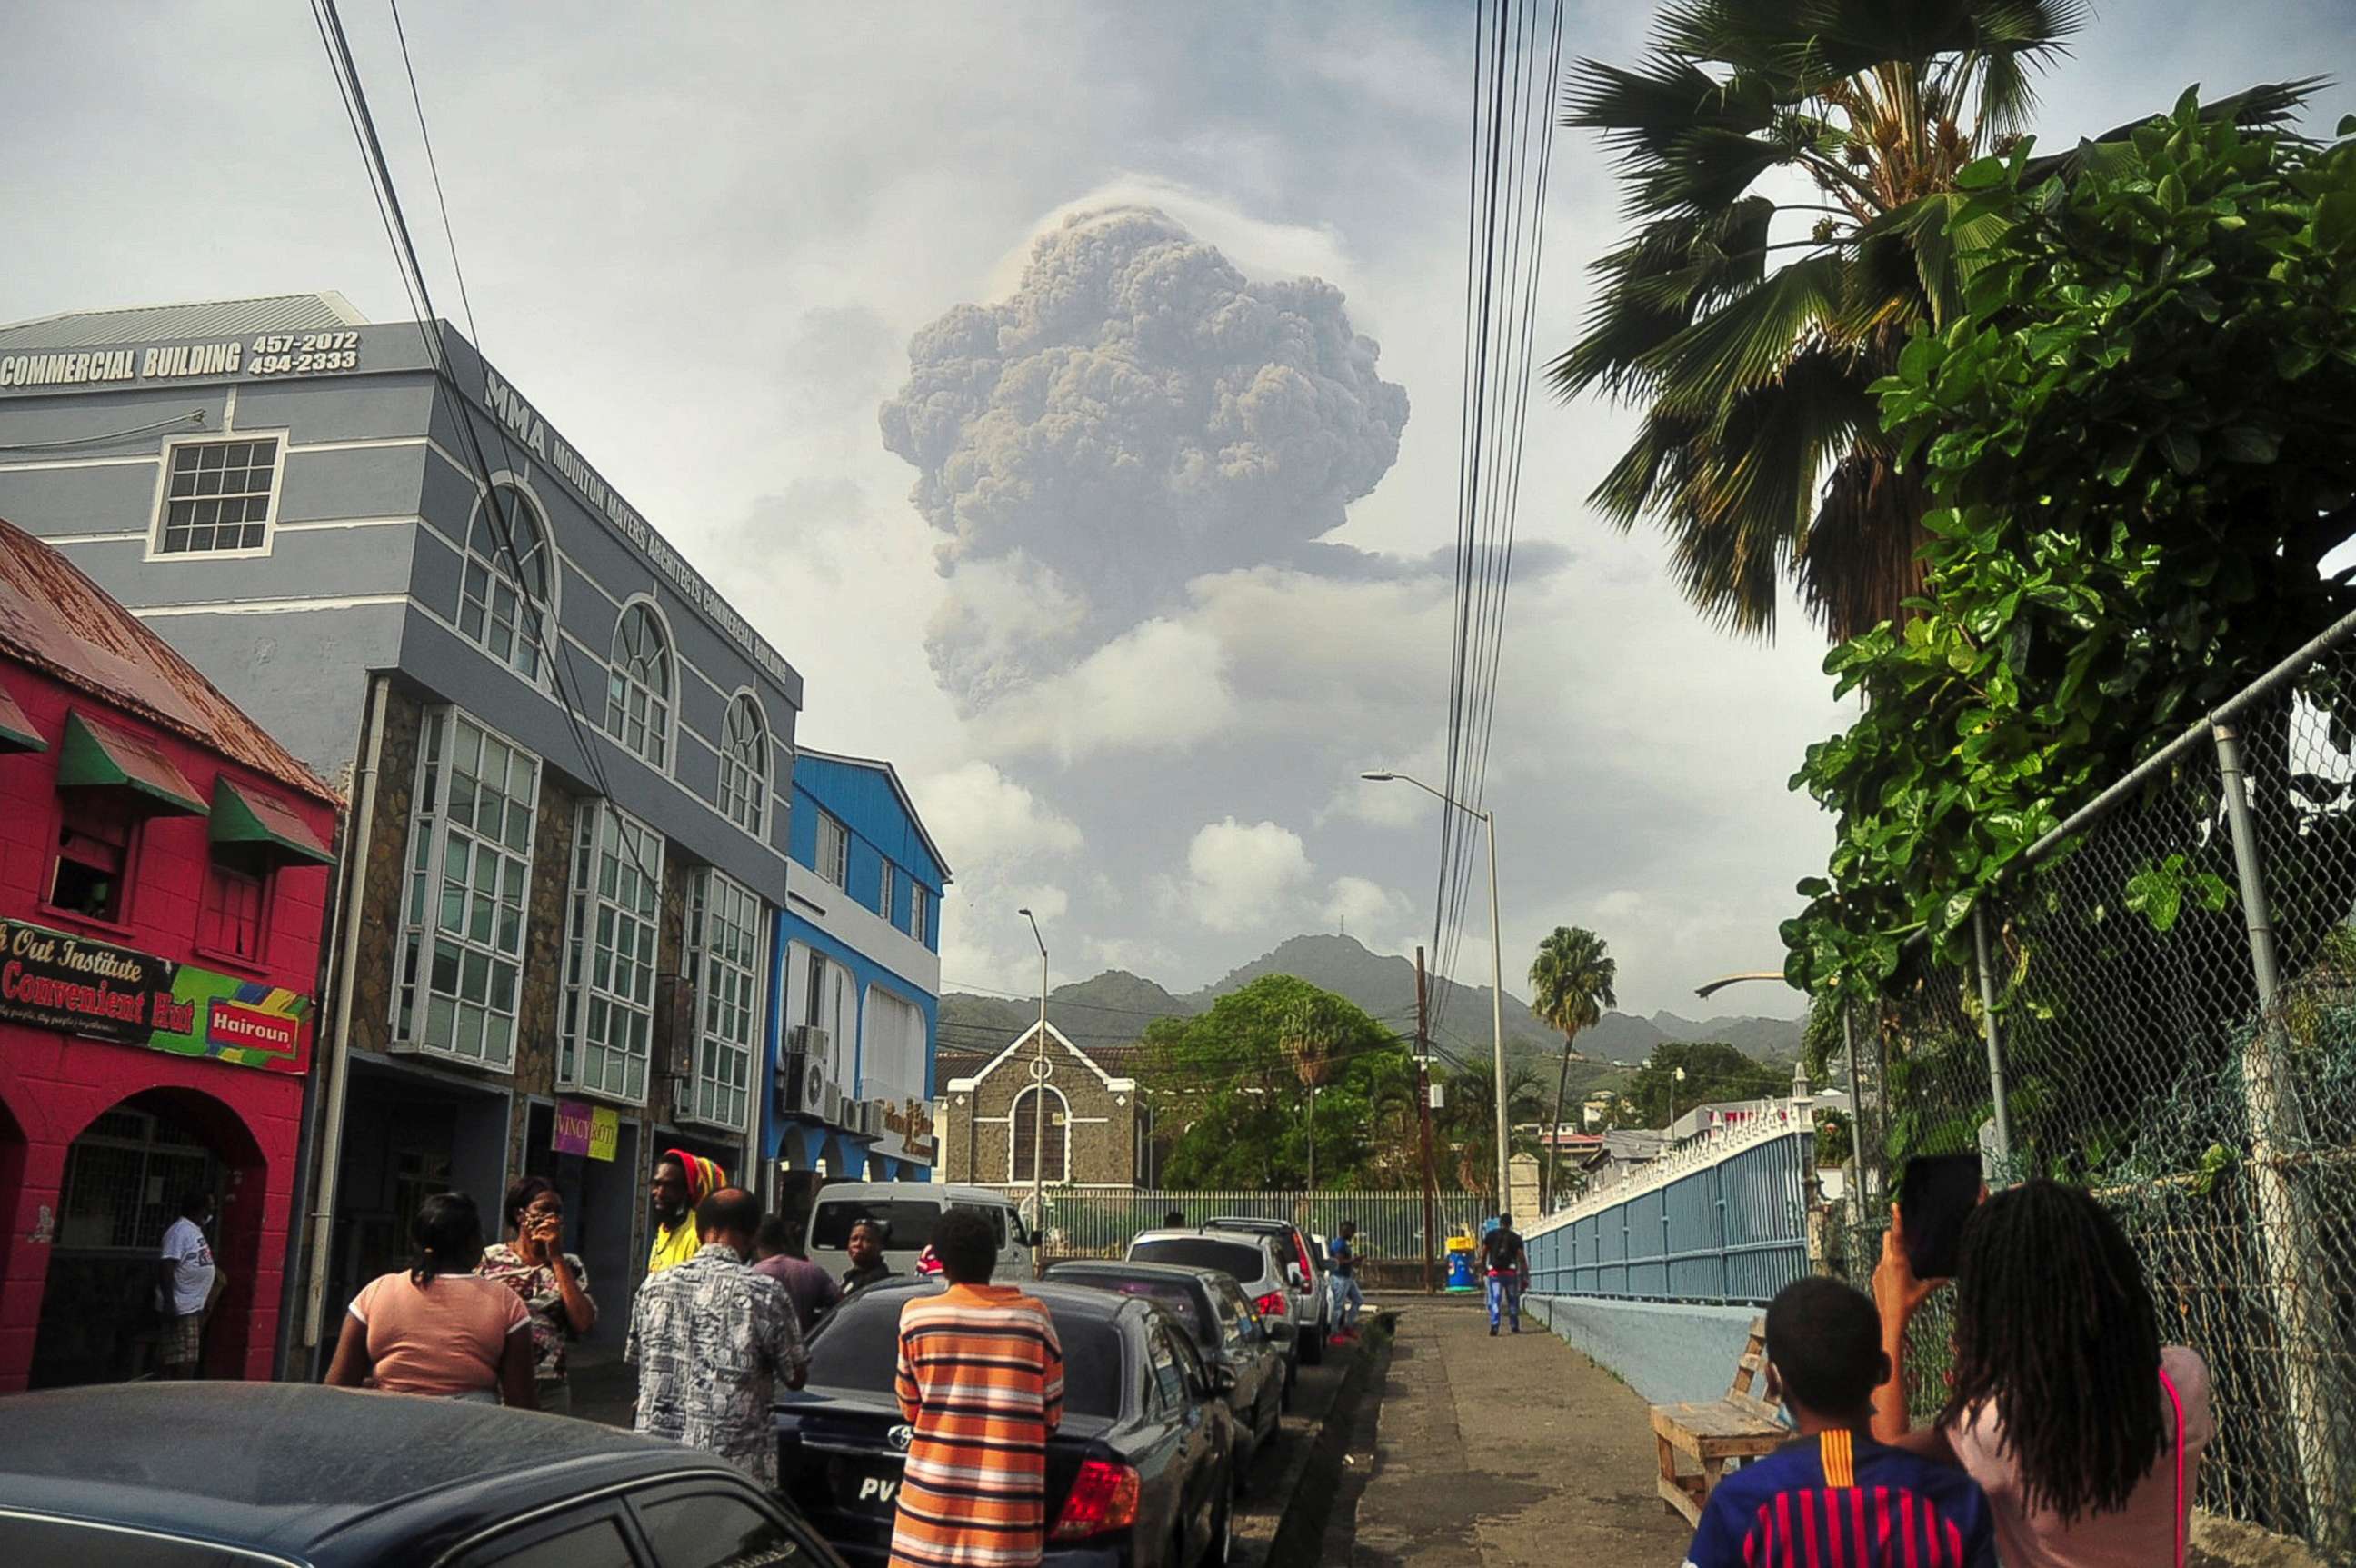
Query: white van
x,y
906,1210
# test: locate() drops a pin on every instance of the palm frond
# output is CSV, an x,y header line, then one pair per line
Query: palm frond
x,y
1747,343
1861,560
1652,289
2267,106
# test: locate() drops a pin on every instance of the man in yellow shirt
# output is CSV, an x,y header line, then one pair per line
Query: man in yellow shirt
x,y
681,1181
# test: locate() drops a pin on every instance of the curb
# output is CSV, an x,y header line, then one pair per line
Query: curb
x,y
1314,1502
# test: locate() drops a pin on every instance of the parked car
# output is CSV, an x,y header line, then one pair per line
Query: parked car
x,y
206,1474
1250,1260
1140,1474
1229,1330
907,1212
1308,1290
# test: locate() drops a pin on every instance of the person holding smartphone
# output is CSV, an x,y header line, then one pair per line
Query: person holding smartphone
x,y
551,1282
2084,1431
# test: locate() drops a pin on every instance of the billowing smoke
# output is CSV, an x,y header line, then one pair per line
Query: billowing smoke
x,y
1138,413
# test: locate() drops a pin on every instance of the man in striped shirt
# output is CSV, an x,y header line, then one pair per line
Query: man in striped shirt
x,y
1833,1498
981,1379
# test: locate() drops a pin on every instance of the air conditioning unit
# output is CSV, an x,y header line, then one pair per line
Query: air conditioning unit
x,y
802,1086
807,1038
832,1113
870,1118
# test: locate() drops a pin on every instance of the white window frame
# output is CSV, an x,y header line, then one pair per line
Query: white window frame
x,y
155,551
659,708
501,913
744,786
1023,1112
727,937
834,866
613,937
884,890
537,616
919,916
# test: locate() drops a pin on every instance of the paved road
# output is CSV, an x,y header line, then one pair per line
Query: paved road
x,y
1516,1452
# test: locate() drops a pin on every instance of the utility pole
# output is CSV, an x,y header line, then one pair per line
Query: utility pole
x,y
1423,1115
1039,1071
1313,1137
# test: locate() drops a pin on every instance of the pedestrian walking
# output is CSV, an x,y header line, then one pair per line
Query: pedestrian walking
x,y
711,1341
185,1275
680,1182
1835,1494
809,1288
551,1283
865,1246
1348,1299
2085,1430
439,1328
981,1379
1507,1267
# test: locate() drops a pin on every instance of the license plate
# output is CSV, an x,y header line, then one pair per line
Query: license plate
x,y
869,1488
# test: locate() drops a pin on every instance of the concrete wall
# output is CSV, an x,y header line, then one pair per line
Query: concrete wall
x,y
1667,1351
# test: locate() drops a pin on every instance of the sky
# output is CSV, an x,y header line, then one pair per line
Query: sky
x,y
1071,393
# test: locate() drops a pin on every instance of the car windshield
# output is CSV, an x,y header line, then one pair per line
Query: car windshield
x,y
907,1226
1237,1259
858,1349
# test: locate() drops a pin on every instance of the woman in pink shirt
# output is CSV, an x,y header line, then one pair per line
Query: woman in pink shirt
x,y
2084,1430
439,1329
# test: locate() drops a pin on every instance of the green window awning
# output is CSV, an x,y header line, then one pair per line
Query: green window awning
x,y
246,817
97,756
16,731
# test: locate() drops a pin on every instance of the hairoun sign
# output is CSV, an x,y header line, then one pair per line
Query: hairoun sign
x,y
55,980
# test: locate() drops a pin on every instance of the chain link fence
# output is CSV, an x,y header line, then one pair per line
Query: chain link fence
x,y
2162,1009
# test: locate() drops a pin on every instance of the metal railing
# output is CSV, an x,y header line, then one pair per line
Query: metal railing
x,y
1081,1223
2161,1006
1724,1219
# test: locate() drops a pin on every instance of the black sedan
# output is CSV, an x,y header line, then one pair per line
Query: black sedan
x,y
1227,1329
1138,1475
199,1475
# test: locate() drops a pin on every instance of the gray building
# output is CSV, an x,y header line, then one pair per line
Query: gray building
x,y
567,758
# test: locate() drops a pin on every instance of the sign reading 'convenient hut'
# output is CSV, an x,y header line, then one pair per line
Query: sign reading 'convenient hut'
x,y
57,980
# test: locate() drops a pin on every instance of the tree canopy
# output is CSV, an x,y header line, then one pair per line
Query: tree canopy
x,y
1714,1071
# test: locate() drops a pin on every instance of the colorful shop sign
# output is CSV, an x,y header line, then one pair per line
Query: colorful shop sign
x,y
57,980
586,1129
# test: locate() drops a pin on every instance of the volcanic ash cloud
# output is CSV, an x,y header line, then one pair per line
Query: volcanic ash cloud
x,y
1139,413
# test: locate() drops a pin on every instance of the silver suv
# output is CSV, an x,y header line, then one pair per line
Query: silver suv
x,y
1312,1306
1250,1260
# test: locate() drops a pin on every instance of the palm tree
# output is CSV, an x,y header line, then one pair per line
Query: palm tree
x,y
1570,985
1749,329
1311,1034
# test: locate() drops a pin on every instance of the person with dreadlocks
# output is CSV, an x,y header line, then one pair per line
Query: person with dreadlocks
x,y
2085,1431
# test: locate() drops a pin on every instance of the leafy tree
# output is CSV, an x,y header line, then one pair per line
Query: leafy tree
x,y
1570,985
2141,434
1232,1081
1715,1072
1759,453
1466,1125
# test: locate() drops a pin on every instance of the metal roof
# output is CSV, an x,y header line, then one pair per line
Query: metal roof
x,y
200,318
57,621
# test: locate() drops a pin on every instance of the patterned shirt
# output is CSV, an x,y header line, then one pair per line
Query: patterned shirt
x,y
1841,1500
710,1338
535,1285
981,1379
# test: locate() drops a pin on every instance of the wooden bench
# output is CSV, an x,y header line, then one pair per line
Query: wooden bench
x,y
1739,1426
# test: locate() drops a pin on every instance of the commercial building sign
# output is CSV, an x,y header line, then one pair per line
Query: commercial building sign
x,y
57,980
909,1124
265,354
586,1129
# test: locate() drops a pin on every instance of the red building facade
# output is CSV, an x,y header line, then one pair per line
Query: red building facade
x,y
164,888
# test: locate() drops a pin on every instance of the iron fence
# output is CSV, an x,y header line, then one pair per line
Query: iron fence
x,y
1085,1224
2162,1008
1723,1222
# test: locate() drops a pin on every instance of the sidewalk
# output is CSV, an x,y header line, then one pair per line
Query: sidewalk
x,y
1516,1452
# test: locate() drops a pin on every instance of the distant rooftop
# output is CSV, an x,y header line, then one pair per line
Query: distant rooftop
x,y
55,619
198,318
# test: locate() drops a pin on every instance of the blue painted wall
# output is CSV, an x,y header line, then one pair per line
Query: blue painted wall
x,y
861,799
1667,1351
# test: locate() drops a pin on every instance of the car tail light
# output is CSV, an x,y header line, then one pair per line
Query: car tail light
x,y
1308,1269
1103,1497
1272,1305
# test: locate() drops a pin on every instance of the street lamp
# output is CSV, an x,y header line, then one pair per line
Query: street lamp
x,y
1039,1070
1496,964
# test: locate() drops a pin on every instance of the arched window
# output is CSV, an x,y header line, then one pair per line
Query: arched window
x,y
744,764
1057,1131
638,686
509,579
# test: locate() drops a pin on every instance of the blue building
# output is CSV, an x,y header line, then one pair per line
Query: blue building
x,y
858,946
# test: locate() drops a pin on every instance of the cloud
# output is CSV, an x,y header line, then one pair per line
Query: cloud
x,y
983,819
1243,876
1137,414
1378,911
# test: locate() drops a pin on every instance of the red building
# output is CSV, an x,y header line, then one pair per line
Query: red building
x,y
164,884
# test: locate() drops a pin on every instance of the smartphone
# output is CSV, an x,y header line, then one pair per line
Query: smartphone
x,y
1937,1194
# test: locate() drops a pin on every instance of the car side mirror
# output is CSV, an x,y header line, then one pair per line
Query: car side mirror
x,y
1293,1276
